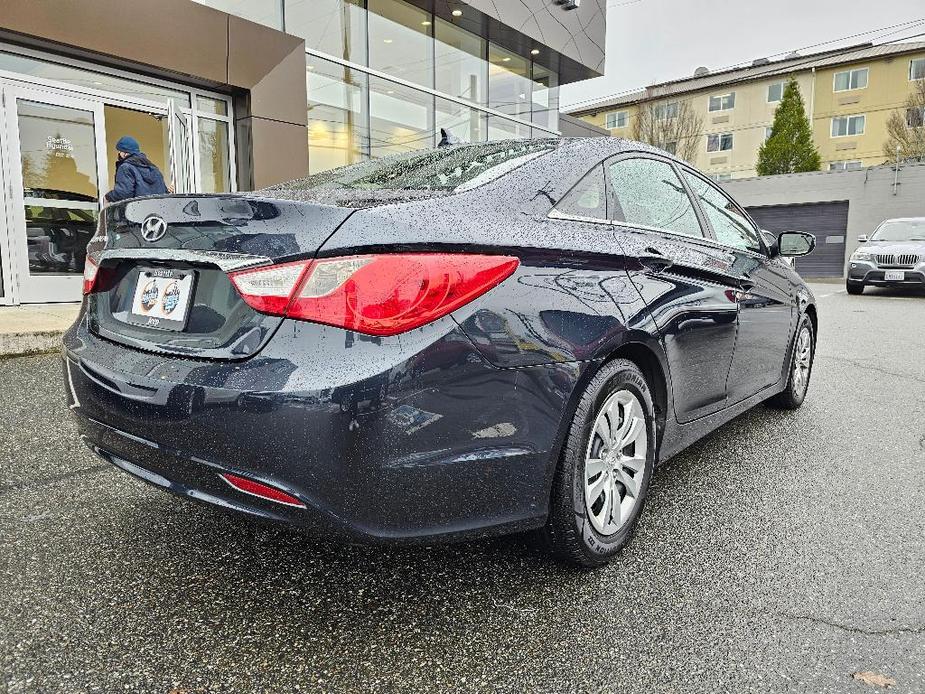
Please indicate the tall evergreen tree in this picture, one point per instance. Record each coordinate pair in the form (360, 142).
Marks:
(790, 148)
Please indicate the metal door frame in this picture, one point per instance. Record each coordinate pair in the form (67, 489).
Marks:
(8, 294)
(26, 287)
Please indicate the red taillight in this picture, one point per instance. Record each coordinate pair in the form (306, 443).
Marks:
(91, 270)
(96, 278)
(242, 484)
(373, 294)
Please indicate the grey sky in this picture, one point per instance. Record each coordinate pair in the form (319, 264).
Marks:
(652, 41)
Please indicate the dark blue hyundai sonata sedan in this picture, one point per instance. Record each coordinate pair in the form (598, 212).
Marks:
(474, 340)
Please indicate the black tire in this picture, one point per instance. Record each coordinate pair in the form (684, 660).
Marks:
(854, 289)
(568, 530)
(791, 397)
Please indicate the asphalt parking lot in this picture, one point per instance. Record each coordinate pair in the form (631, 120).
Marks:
(783, 553)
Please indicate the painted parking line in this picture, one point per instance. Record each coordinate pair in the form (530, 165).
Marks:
(825, 296)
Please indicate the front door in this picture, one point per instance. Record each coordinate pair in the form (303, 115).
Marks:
(766, 308)
(54, 145)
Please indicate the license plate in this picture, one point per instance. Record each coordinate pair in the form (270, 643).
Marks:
(894, 275)
(162, 299)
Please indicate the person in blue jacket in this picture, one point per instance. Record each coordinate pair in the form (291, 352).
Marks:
(135, 174)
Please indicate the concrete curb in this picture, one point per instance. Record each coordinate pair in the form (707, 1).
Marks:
(34, 328)
(27, 344)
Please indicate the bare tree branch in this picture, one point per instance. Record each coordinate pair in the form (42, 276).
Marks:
(906, 128)
(671, 125)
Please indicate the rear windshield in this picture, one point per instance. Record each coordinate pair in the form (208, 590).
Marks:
(443, 170)
(901, 230)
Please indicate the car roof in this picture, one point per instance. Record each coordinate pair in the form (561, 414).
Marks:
(571, 155)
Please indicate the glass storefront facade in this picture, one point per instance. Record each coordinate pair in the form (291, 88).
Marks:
(208, 115)
(390, 77)
(386, 76)
(59, 123)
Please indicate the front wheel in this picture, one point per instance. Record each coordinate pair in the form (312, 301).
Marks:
(603, 476)
(801, 366)
(854, 289)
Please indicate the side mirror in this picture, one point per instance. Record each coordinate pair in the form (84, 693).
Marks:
(862, 238)
(795, 243)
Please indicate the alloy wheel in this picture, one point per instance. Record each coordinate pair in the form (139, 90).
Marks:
(802, 361)
(615, 462)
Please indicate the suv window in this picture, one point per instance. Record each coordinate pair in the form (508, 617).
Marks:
(588, 198)
(649, 192)
(730, 226)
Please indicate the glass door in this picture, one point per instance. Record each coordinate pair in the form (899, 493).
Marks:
(56, 161)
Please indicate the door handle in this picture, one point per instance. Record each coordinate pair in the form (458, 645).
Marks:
(745, 287)
(655, 260)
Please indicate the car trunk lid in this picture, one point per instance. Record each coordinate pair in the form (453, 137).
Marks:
(164, 265)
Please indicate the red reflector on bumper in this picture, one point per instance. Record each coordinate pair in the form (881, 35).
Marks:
(242, 484)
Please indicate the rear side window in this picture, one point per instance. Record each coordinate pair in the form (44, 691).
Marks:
(649, 192)
(587, 199)
(729, 224)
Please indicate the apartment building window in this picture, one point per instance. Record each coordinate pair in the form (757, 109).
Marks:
(915, 117)
(917, 69)
(723, 102)
(851, 79)
(719, 142)
(616, 119)
(853, 165)
(666, 111)
(721, 177)
(767, 133)
(846, 126)
(671, 147)
(776, 92)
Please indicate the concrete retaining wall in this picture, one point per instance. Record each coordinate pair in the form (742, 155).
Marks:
(871, 194)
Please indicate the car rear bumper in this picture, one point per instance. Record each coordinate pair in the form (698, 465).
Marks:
(382, 439)
(862, 273)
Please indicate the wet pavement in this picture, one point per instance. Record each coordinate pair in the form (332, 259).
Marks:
(785, 552)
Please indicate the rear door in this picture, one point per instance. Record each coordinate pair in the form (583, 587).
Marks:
(687, 281)
(765, 298)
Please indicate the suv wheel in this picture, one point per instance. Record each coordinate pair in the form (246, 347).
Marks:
(603, 476)
(854, 288)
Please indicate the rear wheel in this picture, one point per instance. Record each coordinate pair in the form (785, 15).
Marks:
(801, 366)
(603, 476)
(854, 288)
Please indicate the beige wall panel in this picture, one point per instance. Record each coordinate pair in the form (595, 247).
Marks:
(175, 35)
